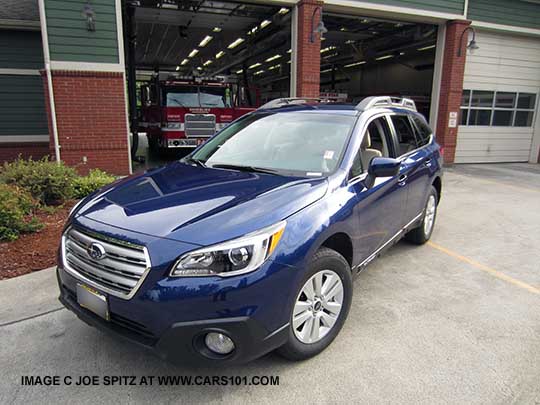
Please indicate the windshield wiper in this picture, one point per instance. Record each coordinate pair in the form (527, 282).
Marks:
(245, 168)
(198, 162)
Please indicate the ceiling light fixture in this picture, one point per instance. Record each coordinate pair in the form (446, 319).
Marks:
(184, 62)
(283, 10)
(273, 67)
(208, 62)
(384, 57)
(217, 29)
(425, 48)
(205, 41)
(265, 23)
(254, 65)
(193, 53)
(219, 54)
(355, 64)
(177, 68)
(239, 71)
(328, 48)
(234, 44)
(273, 58)
(258, 72)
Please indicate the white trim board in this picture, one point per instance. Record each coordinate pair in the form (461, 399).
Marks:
(507, 28)
(87, 66)
(23, 138)
(407, 13)
(22, 72)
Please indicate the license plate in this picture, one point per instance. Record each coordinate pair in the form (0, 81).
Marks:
(93, 301)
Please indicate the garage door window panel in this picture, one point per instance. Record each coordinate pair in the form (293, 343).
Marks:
(508, 108)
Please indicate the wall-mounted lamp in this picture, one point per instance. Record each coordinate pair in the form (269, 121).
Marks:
(472, 45)
(90, 15)
(320, 29)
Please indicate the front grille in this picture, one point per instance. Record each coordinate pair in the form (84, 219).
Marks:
(199, 125)
(119, 272)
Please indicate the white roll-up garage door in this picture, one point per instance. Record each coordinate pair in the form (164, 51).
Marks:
(500, 99)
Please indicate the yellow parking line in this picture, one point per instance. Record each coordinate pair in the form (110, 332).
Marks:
(486, 269)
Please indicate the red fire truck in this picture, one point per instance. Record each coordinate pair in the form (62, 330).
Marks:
(183, 112)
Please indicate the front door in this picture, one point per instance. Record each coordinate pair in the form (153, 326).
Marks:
(379, 209)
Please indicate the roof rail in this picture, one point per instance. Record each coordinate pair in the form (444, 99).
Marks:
(280, 102)
(385, 101)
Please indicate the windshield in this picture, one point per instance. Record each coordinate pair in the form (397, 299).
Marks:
(304, 143)
(197, 96)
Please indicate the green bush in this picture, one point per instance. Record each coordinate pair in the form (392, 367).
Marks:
(46, 181)
(16, 205)
(82, 186)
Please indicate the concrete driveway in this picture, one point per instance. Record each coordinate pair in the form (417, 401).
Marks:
(454, 321)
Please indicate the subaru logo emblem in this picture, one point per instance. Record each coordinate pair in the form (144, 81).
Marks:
(96, 251)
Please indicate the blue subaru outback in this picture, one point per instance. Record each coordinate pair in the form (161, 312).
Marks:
(251, 242)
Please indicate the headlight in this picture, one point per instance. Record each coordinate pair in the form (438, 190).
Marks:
(237, 256)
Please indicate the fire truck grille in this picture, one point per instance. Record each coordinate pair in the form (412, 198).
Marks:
(199, 125)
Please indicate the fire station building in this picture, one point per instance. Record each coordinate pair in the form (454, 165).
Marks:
(71, 70)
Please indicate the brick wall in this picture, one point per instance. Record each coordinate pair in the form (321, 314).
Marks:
(309, 54)
(91, 120)
(11, 151)
(451, 85)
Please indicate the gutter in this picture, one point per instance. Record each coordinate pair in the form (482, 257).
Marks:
(47, 57)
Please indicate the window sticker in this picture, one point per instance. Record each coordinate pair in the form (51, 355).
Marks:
(329, 154)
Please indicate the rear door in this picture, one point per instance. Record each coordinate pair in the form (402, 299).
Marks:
(415, 159)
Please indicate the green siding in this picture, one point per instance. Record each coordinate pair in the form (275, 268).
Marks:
(69, 40)
(22, 106)
(517, 13)
(441, 6)
(20, 50)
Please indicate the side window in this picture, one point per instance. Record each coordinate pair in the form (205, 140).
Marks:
(375, 143)
(405, 134)
(423, 130)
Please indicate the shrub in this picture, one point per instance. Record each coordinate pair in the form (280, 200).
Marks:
(82, 186)
(46, 181)
(15, 207)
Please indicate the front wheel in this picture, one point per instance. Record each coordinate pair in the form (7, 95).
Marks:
(321, 306)
(422, 233)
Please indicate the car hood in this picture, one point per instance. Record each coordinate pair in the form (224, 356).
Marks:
(200, 205)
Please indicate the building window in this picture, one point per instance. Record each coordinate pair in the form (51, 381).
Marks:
(497, 108)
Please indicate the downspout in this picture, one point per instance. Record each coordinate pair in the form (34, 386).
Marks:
(47, 58)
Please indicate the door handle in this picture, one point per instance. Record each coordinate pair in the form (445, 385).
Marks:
(428, 163)
(402, 180)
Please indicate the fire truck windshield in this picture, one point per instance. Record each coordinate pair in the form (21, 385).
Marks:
(197, 96)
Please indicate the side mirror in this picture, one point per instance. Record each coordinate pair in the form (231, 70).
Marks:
(381, 167)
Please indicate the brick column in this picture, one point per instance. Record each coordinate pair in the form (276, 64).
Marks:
(91, 120)
(309, 54)
(451, 86)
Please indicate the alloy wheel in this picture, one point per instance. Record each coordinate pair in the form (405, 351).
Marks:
(429, 218)
(317, 306)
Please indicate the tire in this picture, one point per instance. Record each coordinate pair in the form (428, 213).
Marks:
(334, 270)
(422, 233)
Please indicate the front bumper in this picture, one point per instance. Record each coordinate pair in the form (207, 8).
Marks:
(179, 342)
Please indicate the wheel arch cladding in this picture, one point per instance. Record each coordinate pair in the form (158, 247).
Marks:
(437, 183)
(341, 243)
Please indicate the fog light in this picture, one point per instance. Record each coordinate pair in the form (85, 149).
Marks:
(219, 343)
